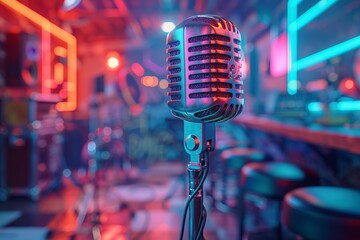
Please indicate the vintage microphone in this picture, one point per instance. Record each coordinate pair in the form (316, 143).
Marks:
(205, 86)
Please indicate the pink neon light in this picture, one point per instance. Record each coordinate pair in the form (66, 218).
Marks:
(279, 56)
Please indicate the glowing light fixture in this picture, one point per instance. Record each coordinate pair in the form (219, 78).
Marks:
(113, 61)
(167, 26)
(348, 87)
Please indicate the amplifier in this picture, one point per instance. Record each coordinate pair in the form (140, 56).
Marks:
(31, 147)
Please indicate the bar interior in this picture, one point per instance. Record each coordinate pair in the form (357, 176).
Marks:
(179, 119)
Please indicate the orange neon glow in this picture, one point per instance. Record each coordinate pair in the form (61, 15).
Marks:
(61, 34)
(60, 51)
(63, 93)
(59, 73)
(45, 61)
(48, 83)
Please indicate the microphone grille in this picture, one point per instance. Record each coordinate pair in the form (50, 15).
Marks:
(174, 60)
(204, 64)
(215, 21)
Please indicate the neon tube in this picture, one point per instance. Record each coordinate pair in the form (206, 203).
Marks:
(313, 12)
(58, 32)
(328, 53)
(295, 23)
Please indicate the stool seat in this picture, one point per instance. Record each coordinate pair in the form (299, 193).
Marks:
(238, 157)
(318, 213)
(224, 144)
(242, 152)
(231, 161)
(274, 179)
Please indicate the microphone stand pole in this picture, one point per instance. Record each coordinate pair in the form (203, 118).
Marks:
(199, 140)
(94, 129)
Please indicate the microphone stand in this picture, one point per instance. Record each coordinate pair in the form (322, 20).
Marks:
(199, 140)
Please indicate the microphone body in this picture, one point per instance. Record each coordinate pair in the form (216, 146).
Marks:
(204, 64)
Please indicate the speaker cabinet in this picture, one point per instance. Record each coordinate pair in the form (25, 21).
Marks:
(31, 147)
(20, 60)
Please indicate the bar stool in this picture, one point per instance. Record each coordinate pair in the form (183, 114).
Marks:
(216, 166)
(232, 160)
(318, 213)
(271, 180)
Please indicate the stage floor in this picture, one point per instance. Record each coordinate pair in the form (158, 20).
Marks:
(147, 204)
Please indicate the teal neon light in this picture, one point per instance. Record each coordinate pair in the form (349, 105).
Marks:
(345, 106)
(335, 106)
(314, 12)
(292, 47)
(294, 3)
(296, 23)
(315, 107)
(328, 53)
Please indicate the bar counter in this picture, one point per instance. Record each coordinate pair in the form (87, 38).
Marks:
(340, 138)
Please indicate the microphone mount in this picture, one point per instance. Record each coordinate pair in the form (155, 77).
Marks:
(199, 140)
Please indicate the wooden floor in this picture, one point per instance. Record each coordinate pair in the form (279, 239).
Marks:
(146, 205)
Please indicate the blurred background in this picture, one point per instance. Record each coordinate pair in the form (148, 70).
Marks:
(83, 109)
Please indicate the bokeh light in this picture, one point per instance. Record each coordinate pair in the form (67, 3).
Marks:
(349, 83)
(112, 61)
(163, 84)
(150, 81)
(137, 69)
(167, 26)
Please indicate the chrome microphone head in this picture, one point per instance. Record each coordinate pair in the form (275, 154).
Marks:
(204, 64)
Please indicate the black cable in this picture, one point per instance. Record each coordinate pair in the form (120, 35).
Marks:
(199, 234)
(191, 197)
(202, 224)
